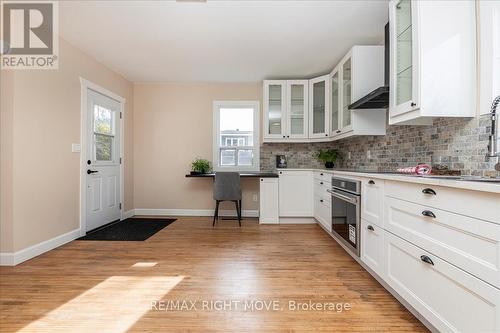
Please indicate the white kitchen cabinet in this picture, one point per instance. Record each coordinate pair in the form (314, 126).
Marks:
(432, 60)
(360, 72)
(268, 201)
(286, 114)
(296, 193)
(372, 246)
(323, 200)
(372, 200)
(449, 298)
(274, 109)
(466, 242)
(297, 114)
(319, 107)
(323, 212)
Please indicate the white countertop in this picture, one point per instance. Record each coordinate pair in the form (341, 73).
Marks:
(462, 184)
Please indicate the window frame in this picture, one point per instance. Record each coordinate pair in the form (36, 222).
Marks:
(216, 147)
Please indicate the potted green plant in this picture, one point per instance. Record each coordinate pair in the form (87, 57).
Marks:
(329, 157)
(200, 166)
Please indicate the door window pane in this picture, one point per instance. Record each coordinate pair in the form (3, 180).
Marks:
(275, 111)
(245, 157)
(227, 157)
(319, 107)
(103, 147)
(103, 120)
(297, 109)
(335, 101)
(346, 88)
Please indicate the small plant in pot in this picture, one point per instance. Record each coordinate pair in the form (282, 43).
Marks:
(200, 166)
(328, 157)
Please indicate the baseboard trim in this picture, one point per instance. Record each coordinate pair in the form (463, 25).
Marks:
(192, 212)
(297, 220)
(128, 214)
(13, 259)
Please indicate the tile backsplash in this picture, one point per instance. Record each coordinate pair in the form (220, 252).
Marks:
(459, 143)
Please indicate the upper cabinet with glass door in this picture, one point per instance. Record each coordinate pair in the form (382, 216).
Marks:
(297, 92)
(335, 99)
(286, 110)
(432, 60)
(274, 109)
(319, 107)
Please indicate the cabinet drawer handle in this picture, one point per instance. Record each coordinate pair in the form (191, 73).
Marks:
(321, 174)
(338, 131)
(370, 228)
(371, 182)
(321, 200)
(321, 183)
(428, 191)
(428, 213)
(427, 260)
(326, 134)
(281, 173)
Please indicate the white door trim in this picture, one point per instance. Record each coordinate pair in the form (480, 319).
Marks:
(85, 85)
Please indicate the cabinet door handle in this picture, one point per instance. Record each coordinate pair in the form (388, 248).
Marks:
(321, 183)
(284, 136)
(428, 213)
(428, 191)
(281, 173)
(338, 131)
(371, 182)
(427, 260)
(321, 200)
(370, 228)
(413, 104)
(91, 171)
(326, 134)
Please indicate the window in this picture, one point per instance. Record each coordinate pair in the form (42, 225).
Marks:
(489, 53)
(236, 135)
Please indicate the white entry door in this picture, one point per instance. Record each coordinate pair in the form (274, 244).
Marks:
(102, 160)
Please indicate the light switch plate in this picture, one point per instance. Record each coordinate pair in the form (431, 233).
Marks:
(76, 148)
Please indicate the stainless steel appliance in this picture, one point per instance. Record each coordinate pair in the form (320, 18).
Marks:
(346, 212)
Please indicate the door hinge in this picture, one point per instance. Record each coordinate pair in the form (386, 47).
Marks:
(120, 115)
(120, 160)
(120, 205)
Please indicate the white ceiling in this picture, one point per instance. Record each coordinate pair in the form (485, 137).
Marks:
(221, 41)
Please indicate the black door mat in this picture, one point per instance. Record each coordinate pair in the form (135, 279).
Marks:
(131, 229)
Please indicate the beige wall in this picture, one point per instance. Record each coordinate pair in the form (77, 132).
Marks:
(6, 117)
(172, 126)
(46, 120)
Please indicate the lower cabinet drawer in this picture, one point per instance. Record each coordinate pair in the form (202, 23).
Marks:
(372, 246)
(448, 297)
(470, 244)
(322, 213)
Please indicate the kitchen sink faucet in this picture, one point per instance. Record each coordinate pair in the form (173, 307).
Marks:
(493, 141)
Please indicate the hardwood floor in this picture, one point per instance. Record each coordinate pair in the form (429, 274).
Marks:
(111, 286)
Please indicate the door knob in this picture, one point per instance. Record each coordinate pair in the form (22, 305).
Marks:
(91, 171)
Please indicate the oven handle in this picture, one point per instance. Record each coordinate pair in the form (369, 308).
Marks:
(353, 200)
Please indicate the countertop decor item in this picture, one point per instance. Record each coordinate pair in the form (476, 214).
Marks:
(200, 166)
(280, 161)
(421, 169)
(329, 157)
